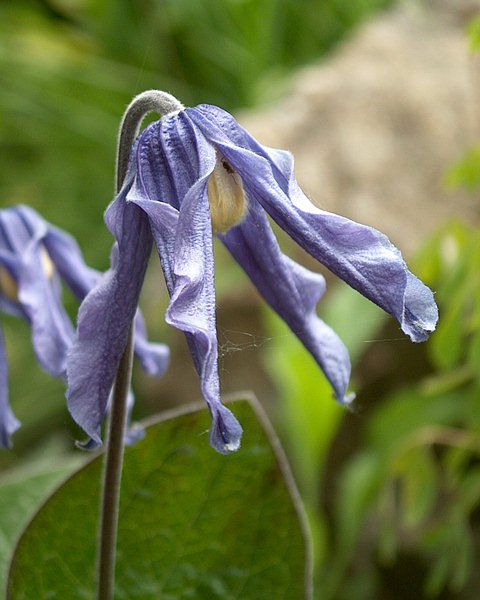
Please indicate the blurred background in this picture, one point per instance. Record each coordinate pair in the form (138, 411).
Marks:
(379, 101)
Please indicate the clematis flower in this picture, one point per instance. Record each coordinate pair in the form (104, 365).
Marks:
(34, 257)
(197, 173)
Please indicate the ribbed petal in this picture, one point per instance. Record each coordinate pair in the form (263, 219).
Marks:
(105, 317)
(293, 292)
(184, 243)
(8, 423)
(360, 255)
(188, 267)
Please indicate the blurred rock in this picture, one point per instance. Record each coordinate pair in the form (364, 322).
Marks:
(375, 126)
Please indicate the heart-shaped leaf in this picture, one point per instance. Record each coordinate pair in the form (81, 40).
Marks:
(193, 524)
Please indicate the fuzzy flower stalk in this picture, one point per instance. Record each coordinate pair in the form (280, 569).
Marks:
(195, 174)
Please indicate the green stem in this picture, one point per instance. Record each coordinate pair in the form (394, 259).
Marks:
(112, 475)
(150, 101)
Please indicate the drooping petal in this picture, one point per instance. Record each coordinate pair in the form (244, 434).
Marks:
(359, 254)
(105, 317)
(69, 262)
(39, 293)
(189, 278)
(153, 357)
(9, 267)
(293, 292)
(184, 243)
(8, 423)
(133, 432)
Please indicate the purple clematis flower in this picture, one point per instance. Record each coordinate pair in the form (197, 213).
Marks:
(195, 173)
(34, 257)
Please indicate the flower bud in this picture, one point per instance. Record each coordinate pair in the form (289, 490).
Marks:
(228, 203)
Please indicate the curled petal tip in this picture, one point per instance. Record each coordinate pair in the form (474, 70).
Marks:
(418, 331)
(420, 314)
(5, 441)
(348, 399)
(89, 445)
(7, 429)
(231, 447)
(226, 431)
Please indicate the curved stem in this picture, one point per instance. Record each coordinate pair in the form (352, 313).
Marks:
(139, 107)
(162, 103)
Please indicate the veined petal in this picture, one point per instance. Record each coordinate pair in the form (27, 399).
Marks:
(105, 317)
(8, 423)
(168, 159)
(359, 254)
(293, 292)
(192, 308)
(184, 243)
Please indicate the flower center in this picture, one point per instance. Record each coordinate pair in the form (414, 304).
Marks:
(8, 285)
(228, 203)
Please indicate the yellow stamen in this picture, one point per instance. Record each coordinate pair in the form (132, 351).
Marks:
(8, 285)
(228, 204)
(47, 264)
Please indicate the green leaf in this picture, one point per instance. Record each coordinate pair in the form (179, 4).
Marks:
(405, 414)
(419, 486)
(473, 31)
(193, 524)
(386, 507)
(452, 555)
(359, 485)
(20, 494)
(466, 172)
(310, 412)
(448, 345)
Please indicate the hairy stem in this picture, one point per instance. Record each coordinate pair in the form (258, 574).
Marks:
(162, 103)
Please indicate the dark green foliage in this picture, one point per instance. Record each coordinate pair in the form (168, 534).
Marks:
(412, 488)
(193, 523)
